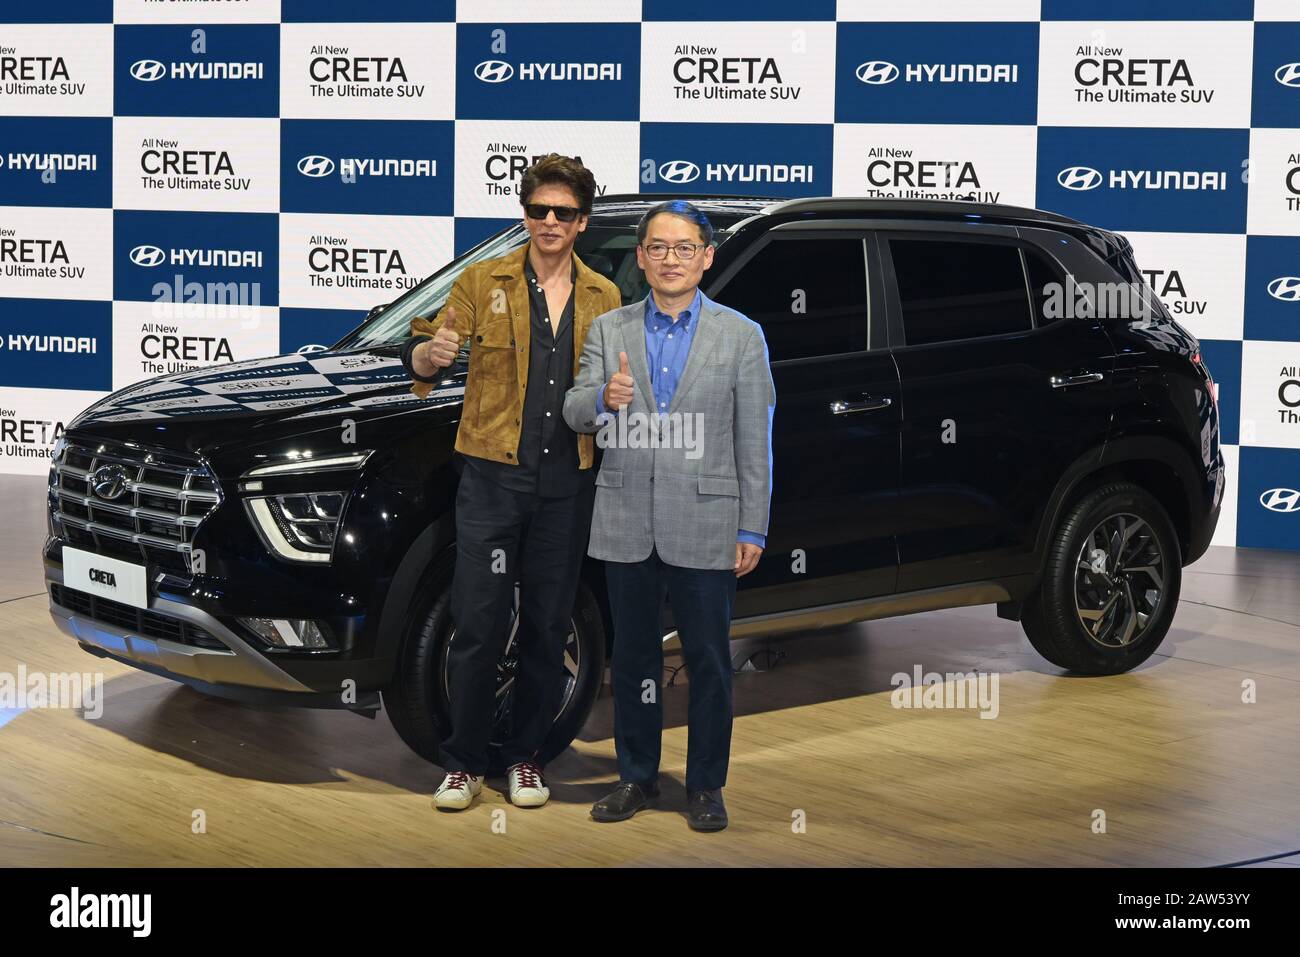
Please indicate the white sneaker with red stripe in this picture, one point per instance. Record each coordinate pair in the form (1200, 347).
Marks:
(527, 786)
(457, 791)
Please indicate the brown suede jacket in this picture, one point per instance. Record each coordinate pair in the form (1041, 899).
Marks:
(491, 304)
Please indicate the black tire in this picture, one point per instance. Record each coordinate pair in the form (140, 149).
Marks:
(416, 700)
(1086, 616)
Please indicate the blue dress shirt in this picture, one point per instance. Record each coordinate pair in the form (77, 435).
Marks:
(667, 346)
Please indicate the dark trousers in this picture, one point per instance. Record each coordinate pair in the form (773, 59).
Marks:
(701, 601)
(504, 536)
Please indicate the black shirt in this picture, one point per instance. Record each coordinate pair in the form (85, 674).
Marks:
(548, 448)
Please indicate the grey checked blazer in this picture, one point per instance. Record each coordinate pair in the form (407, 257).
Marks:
(687, 504)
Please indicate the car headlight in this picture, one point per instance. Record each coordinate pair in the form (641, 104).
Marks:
(300, 462)
(298, 526)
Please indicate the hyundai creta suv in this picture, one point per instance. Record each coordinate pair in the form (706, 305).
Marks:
(966, 414)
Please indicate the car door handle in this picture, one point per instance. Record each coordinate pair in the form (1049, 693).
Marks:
(1065, 381)
(868, 404)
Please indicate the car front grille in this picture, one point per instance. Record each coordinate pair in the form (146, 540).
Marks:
(136, 621)
(164, 499)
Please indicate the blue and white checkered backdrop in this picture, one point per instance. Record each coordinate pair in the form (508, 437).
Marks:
(186, 182)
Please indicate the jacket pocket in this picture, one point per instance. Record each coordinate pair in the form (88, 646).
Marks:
(719, 485)
(494, 342)
(610, 478)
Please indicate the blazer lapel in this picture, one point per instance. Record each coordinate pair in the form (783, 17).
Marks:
(632, 326)
(706, 335)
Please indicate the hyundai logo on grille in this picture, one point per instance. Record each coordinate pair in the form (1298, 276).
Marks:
(494, 71)
(148, 70)
(147, 256)
(108, 482)
(679, 171)
(1286, 288)
(315, 166)
(1079, 177)
(877, 72)
(1281, 500)
(1288, 74)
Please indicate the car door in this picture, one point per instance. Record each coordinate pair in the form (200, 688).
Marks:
(835, 427)
(997, 400)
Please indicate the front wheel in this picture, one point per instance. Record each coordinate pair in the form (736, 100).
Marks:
(417, 699)
(1110, 584)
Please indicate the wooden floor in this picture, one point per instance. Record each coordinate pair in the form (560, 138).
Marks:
(1185, 773)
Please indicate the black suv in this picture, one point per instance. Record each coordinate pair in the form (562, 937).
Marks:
(949, 430)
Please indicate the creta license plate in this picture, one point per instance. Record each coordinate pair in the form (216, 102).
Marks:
(107, 577)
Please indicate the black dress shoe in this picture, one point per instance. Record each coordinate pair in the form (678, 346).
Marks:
(705, 810)
(624, 801)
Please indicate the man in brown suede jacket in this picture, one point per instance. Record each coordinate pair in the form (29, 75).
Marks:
(523, 509)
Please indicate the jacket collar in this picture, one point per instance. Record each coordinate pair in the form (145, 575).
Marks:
(511, 266)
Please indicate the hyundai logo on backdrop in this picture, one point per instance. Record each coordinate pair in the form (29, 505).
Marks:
(1159, 180)
(56, 161)
(1281, 500)
(1272, 303)
(736, 158)
(1275, 80)
(207, 250)
(1286, 288)
(554, 71)
(494, 71)
(877, 71)
(936, 73)
(315, 166)
(1079, 178)
(367, 166)
(159, 74)
(147, 256)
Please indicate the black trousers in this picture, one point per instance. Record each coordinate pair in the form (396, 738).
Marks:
(701, 601)
(504, 536)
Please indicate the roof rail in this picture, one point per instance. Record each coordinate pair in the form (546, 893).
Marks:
(937, 207)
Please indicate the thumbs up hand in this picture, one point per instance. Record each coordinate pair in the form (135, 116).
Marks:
(442, 349)
(618, 392)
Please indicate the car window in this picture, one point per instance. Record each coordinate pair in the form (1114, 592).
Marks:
(808, 294)
(1046, 282)
(950, 289)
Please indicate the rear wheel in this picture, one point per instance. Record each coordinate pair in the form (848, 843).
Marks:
(418, 698)
(1110, 584)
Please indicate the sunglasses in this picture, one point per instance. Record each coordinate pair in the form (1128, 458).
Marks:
(565, 214)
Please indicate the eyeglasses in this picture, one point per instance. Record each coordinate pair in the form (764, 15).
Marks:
(565, 214)
(685, 251)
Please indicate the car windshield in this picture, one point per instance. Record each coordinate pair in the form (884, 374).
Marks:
(610, 250)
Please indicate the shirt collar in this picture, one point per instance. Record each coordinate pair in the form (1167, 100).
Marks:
(691, 311)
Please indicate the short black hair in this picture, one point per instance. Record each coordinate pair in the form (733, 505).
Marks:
(553, 168)
(676, 207)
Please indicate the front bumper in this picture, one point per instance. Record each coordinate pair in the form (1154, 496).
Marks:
(236, 671)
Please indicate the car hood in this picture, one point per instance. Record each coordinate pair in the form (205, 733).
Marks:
(256, 399)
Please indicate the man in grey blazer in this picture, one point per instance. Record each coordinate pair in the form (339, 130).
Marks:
(679, 392)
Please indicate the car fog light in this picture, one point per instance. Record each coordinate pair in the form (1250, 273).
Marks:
(287, 632)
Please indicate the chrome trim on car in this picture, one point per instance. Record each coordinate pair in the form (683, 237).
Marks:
(866, 609)
(147, 484)
(240, 664)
